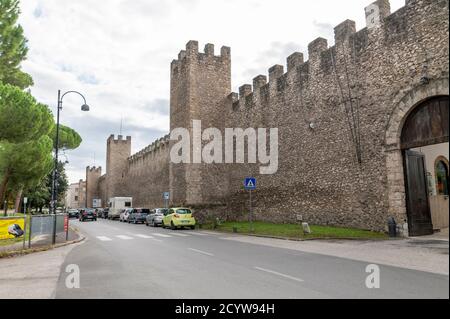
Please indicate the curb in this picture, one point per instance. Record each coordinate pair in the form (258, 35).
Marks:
(306, 239)
(16, 253)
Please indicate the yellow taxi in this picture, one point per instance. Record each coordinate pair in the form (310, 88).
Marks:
(178, 217)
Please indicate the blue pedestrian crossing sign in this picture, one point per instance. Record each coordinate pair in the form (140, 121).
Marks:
(250, 183)
(166, 195)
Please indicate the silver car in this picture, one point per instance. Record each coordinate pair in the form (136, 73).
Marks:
(124, 214)
(156, 216)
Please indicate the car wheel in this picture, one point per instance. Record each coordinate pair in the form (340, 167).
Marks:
(146, 224)
(192, 227)
(163, 225)
(172, 226)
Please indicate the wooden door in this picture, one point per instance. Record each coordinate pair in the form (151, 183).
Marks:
(418, 208)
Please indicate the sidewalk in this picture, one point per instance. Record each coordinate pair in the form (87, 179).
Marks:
(42, 241)
(33, 276)
(429, 255)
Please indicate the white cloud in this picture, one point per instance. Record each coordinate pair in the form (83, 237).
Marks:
(118, 53)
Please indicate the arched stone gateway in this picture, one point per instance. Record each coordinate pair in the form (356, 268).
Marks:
(419, 119)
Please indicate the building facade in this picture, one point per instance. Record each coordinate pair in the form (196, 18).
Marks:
(359, 124)
(76, 195)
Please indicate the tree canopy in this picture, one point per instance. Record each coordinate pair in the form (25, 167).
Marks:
(68, 138)
(21, 117)
(13, 46)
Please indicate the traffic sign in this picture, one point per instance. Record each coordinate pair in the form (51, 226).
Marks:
(166, 195)
(250, 183)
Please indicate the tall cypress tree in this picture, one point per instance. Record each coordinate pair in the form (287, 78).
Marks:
(13, 46)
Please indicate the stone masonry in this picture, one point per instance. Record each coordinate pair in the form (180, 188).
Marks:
(339, 116)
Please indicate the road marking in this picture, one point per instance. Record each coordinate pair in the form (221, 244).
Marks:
(201, 252)
(143, 236)
(197, 234)
(208, 233)
(124, 237)
(180, 235)
(278, 274)
(104, 238)
(161, 235)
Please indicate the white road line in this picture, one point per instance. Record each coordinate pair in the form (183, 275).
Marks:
(143, 236)
(104, 238)
(124, 237)
(197, 234)
(180, 235)
(201, 252)
(208, 233)
(278, 274)
(161, 235)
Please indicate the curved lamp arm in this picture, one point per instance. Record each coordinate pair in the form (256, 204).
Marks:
(84, 99)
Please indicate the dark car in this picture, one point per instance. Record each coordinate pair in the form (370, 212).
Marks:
(156, 216)
(73, 213)
(138, 215)
(87, 214)
(99, 212)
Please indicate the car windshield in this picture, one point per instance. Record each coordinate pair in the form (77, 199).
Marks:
(162, 211)
(144, 211)
(183, 211)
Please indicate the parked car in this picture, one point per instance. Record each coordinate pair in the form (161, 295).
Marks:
(73, 213)
(99, 212)
(178, 218)
(155, 216)
(87, 213)
(123, 217)
(138, 215)
(105, 213)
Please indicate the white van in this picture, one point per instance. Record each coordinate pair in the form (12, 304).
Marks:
(117, 204)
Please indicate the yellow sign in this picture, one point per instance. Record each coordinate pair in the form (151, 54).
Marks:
(11, 228)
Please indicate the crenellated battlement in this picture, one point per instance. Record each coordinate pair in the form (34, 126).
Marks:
(94, 169)
(152, 149)
(120, 139)
(192, 54)
(382, 31)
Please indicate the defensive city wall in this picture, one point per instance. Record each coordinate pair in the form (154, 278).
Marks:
(339, 116)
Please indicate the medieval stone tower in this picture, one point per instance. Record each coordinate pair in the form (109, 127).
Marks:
(93, 175)
(200, 84)
(117, 153)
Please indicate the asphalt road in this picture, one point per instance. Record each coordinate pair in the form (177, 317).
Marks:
(134, 261)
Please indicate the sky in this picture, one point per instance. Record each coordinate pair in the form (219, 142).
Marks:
(117, 53)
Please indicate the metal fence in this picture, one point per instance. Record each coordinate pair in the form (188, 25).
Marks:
(36, 230)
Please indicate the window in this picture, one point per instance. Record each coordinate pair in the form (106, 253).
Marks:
(76, 198)
(441, 178)
(127, 204)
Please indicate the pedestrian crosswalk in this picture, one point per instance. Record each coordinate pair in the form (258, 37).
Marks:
(152, 236)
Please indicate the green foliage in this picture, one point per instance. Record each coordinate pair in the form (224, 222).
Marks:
(40, 195)
(21, 117)
(294, 231)
(25, 164)
(13, 46)
(68, 138)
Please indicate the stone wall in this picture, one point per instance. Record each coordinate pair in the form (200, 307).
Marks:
(338, 114)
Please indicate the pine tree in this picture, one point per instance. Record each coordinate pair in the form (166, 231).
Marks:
(13, 46)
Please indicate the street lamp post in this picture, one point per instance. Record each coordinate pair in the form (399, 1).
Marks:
(53, 202)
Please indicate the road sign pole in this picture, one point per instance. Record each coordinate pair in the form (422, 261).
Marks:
(251, 213)
(25, 232)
